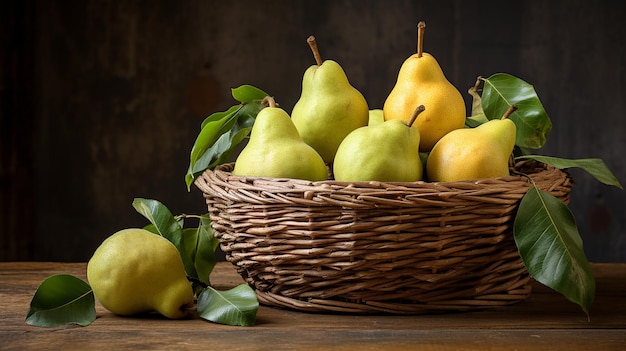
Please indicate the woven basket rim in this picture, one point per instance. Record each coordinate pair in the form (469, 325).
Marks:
(523, 174)
(515, 175)
(228, 167)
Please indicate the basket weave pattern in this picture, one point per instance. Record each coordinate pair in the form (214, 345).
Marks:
(373, 247)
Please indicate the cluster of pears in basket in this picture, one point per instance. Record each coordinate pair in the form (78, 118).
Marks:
(419, 134)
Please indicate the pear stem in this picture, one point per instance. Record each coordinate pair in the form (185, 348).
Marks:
(416, 113)
(269, 101)
(508, 112)
(316, 53)
(420, 38)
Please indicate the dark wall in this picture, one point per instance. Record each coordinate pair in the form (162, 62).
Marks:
(104, 98)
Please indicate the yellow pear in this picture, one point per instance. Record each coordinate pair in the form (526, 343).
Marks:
(135, 271)
(422, 82)
(386, 151)
(276, 150)
(329, 107)
(473, 153)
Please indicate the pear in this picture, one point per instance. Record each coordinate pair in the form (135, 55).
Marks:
(135, 271)
(329, 107)
(276, 150)
(421, 81)
(375, 116)
(386, 151)
(473, 153)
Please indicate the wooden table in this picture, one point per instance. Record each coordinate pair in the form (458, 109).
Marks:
(545, 321)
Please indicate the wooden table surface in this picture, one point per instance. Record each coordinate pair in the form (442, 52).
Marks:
(545, 321)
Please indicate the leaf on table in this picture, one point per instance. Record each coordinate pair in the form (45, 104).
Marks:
(62, 299)
(500, 92)
(551, 247)
(594, 166)
(237, 306)
(165, 224)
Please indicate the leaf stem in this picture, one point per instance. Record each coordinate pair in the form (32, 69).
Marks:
(198, 281)
(187, 216)
(316, 53)
(420, 37)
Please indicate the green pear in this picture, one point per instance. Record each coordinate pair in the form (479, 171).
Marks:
(421, 81)
(387, 152)
(473, 153)
(375, 116)
(276, 150)
(135, 271)
(329, 107)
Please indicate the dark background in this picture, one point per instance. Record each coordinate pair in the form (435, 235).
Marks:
(101, 101)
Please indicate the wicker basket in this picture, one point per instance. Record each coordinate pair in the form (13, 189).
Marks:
(373, 247)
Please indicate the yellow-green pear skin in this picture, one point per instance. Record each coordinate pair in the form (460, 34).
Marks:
(421, 81)
(276, 150)
(135, 271)
(386, 152)
(328, 109)
(473, 153)
(376, 116)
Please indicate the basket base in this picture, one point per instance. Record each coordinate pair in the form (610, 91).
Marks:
(377, 307)
(501, 283)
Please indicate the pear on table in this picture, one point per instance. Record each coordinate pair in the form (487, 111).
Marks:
(329, 107)
(135, 271)
(276, 150)
(421, 81)
(473, 153)
(386, 151)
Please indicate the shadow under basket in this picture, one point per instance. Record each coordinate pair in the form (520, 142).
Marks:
(375, 247)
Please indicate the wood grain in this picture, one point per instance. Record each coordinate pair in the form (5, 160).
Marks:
(545, 321)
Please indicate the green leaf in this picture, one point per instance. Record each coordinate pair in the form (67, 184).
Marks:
(62, 299)
(200, 245)
(205, 259)
(159, 215)
(500, 92)
(222, 148)
(210, 130)
(475, 121)
(594, 166)
(248, 93)
(237, 306)
(551, 247)
(221, 132)
(217, 117)
(166, 225)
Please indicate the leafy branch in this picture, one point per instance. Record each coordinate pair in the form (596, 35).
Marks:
(544, 228)
(221, 132)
